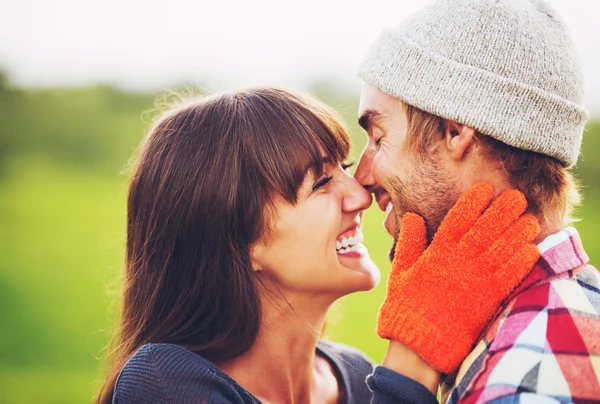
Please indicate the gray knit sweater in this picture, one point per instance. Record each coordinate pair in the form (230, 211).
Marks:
(167, 373)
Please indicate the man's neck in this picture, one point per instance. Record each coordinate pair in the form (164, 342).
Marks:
(550, 223)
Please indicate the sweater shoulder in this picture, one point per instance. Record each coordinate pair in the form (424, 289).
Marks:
(354, 366)
(168, 373)
(349, 353)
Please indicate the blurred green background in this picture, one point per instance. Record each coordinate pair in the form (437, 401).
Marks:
(63, 182)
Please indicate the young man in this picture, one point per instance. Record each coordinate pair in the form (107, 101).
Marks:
(469, 91)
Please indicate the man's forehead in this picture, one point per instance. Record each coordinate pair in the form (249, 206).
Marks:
(376, 103)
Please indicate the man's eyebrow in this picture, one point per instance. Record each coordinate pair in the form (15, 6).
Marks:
(368, 117)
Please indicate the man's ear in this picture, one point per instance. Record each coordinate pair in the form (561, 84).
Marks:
(458, 138)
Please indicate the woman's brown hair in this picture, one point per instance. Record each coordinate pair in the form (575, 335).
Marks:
(205, 177)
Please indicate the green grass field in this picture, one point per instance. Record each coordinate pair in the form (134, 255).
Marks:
(61, 252)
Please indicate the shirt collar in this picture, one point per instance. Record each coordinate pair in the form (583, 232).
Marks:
(562, 251)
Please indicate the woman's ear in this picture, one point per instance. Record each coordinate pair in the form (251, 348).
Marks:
(256, 253)
(458, 138)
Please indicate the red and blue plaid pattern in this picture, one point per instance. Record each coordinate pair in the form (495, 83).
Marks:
(544, 345)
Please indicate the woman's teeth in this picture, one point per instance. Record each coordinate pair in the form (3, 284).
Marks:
(348, 244)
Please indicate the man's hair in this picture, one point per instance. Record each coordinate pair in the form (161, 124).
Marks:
(546, 183)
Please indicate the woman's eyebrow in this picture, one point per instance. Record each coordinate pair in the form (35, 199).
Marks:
(325, 160)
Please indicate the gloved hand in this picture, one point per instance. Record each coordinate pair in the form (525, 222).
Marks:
(440, 298)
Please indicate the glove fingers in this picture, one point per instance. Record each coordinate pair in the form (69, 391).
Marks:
(411, 243)
(520, 233)
(463, 215)
(517, 268)
(493, 223)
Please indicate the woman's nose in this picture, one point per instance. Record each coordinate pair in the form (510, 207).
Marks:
(356, 196)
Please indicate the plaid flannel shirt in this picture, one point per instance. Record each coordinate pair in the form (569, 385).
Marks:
(544, 345)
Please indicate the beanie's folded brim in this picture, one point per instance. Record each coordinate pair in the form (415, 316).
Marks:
(512, 112)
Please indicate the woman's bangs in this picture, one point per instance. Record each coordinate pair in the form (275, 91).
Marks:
(316, 139)
(295, 134)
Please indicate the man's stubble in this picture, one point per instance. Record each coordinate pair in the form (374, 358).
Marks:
(427, 191)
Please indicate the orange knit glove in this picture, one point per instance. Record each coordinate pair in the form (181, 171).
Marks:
(440, 298)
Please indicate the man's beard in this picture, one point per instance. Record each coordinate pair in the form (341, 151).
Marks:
(427, 192)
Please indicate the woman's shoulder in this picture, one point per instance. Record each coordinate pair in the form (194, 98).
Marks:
(349, 354)
(159, 373)
(353, 365)
(162, 355)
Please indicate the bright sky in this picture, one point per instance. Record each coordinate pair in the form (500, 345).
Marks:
(156, 44)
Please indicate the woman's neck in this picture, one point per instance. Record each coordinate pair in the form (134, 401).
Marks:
(282, 366)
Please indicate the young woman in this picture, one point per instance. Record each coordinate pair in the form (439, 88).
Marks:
(243, 228)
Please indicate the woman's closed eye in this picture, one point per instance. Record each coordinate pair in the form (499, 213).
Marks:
(324, 180)
(346, 166)
(378, 136)
(321, 182)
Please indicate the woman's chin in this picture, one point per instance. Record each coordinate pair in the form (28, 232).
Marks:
(365, 274)
(373, 276)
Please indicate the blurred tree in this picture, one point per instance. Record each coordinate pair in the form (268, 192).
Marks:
(9, 98)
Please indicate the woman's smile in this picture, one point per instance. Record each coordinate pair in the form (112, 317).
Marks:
(350, 243)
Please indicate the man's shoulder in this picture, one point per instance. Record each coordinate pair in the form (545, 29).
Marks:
(576, 291)
(560, 316)
(546, 342)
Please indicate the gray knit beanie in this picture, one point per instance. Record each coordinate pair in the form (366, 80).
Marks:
(508, 68)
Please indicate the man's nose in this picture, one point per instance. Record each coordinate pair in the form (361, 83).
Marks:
(363, 173)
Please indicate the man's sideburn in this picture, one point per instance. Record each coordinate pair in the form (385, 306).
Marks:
(428, 191)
